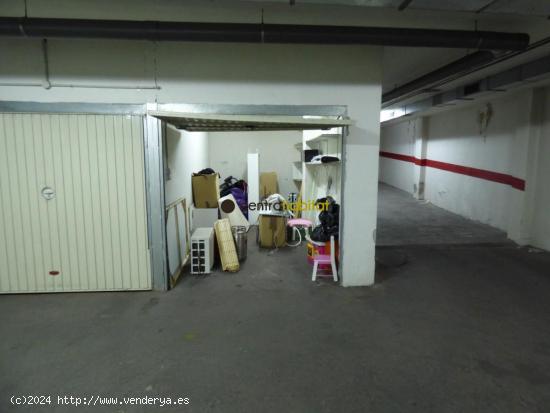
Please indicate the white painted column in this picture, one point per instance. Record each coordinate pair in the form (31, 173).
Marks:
(253, 179)
(360, 151)
(524, 164)
(420, 151)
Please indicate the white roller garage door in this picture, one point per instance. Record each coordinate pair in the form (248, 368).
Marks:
(72, 199)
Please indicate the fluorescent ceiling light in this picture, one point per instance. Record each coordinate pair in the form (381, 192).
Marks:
(389, 114)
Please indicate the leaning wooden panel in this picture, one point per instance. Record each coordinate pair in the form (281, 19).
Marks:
(226, 245)
(183, 250)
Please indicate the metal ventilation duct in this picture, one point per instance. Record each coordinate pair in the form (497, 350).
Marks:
(455, 68)
(534, 71)
(260, 33)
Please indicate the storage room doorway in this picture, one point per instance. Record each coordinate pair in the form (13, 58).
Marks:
(241, 190)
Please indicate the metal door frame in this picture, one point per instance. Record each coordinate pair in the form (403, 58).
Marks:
(154, 160)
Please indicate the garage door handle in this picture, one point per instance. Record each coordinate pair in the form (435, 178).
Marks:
(48, 193)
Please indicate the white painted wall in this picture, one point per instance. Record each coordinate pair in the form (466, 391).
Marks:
(398, 138)
(454, 137)
(185, 153)
(228, 154)
(230, 74)
(516, 143)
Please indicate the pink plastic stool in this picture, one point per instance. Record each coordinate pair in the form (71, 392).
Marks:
(297, 223)
(326, 260)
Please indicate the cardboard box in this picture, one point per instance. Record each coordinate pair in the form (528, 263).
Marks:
(206, 190)
(268, 184)
(272, 230)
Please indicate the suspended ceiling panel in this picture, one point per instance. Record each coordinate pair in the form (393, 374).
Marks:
(226, 123)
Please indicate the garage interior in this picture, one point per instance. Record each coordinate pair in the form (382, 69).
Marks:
(434, 121)
(244, 159)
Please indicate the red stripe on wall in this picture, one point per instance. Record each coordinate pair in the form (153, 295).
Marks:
(498, 177)
(398, 157)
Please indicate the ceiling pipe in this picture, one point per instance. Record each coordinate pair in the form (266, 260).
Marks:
(464, 64)
(259, 33)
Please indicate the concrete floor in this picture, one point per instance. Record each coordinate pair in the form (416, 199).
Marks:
(447, 328)
(402, 220)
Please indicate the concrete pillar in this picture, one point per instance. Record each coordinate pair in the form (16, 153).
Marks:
(360, 195)
(420, 152)
(524, 164)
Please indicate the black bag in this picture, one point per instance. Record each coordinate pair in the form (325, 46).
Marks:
(207, 171)
(232, 182)
(329, 221)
